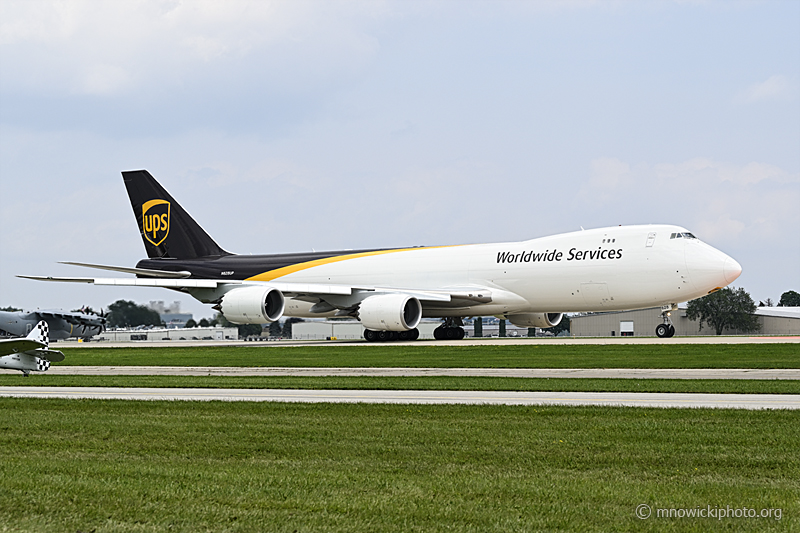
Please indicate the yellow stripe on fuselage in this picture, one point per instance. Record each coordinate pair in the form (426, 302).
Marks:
(291, 269)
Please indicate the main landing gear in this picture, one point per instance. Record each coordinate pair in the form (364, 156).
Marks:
(389, 336)
(666, 329)
(451, 330)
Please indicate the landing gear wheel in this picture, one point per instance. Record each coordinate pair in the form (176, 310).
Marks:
(384, 336)
(662, 330)
(410, 335)
(444, 333)
(671, 331)
(370, 336)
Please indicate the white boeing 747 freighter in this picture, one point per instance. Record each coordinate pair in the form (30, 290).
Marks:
(530, 283)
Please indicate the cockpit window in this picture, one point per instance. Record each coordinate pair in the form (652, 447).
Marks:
(689, 236)
(685, 235)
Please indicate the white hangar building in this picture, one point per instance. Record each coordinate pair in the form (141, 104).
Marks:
(642, 323)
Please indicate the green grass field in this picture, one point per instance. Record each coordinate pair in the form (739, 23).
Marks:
(523, 356)
(77, 465)
(81, 465)
(738, 386)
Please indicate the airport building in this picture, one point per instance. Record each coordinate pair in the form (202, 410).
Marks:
(212, 333)
(643, 322)
(170, 315)
(352, 329)
(347, 329)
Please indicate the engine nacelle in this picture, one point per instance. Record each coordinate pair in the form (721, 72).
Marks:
(390, 312)
(535, 320)
(252, 305)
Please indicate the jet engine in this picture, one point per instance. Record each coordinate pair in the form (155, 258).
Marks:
(390, 312)
(535, 320)
(252, 305)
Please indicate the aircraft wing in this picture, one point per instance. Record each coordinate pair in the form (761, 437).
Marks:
(75, 318)
(199, 284)
(468, 294)
(10, 346)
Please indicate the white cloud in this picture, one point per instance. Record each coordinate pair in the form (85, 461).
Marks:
(87, 45)
(777, 87)
(609, 172)
(104, 79)
(721, 201)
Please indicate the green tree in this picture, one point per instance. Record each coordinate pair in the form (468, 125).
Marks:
(123, 313)
(286, 333)
(275, 329)
(204, 323)
(246, 330)
(190, 323)
(220, 320)
(726, 308)
(789, 299)
(10, 309)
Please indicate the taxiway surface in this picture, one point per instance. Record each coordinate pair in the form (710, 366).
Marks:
(593, 373)
(680, 400)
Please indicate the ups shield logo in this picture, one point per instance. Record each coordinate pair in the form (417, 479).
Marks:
(155, 221)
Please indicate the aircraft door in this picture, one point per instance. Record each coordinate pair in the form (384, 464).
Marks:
(595, 294)
(651, 238)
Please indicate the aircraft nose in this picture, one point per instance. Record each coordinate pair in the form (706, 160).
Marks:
(732, 270)
(709, 268)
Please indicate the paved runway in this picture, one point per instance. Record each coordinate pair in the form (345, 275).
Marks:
(680, 400)
(595, 373)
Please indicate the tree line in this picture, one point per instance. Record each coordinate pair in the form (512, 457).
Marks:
(732, 309)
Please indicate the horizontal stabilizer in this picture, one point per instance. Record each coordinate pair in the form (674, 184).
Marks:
(138, 282)
(137, 271)
(54, 356)
(9, 346)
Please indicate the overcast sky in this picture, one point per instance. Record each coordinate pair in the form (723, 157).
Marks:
(291, 126)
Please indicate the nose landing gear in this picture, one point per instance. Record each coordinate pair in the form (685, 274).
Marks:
(666, 329)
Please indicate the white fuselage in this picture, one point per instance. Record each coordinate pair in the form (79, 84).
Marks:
(625, 267)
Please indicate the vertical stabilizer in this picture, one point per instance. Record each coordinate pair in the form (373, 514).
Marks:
(166, 229)
(40, 333)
